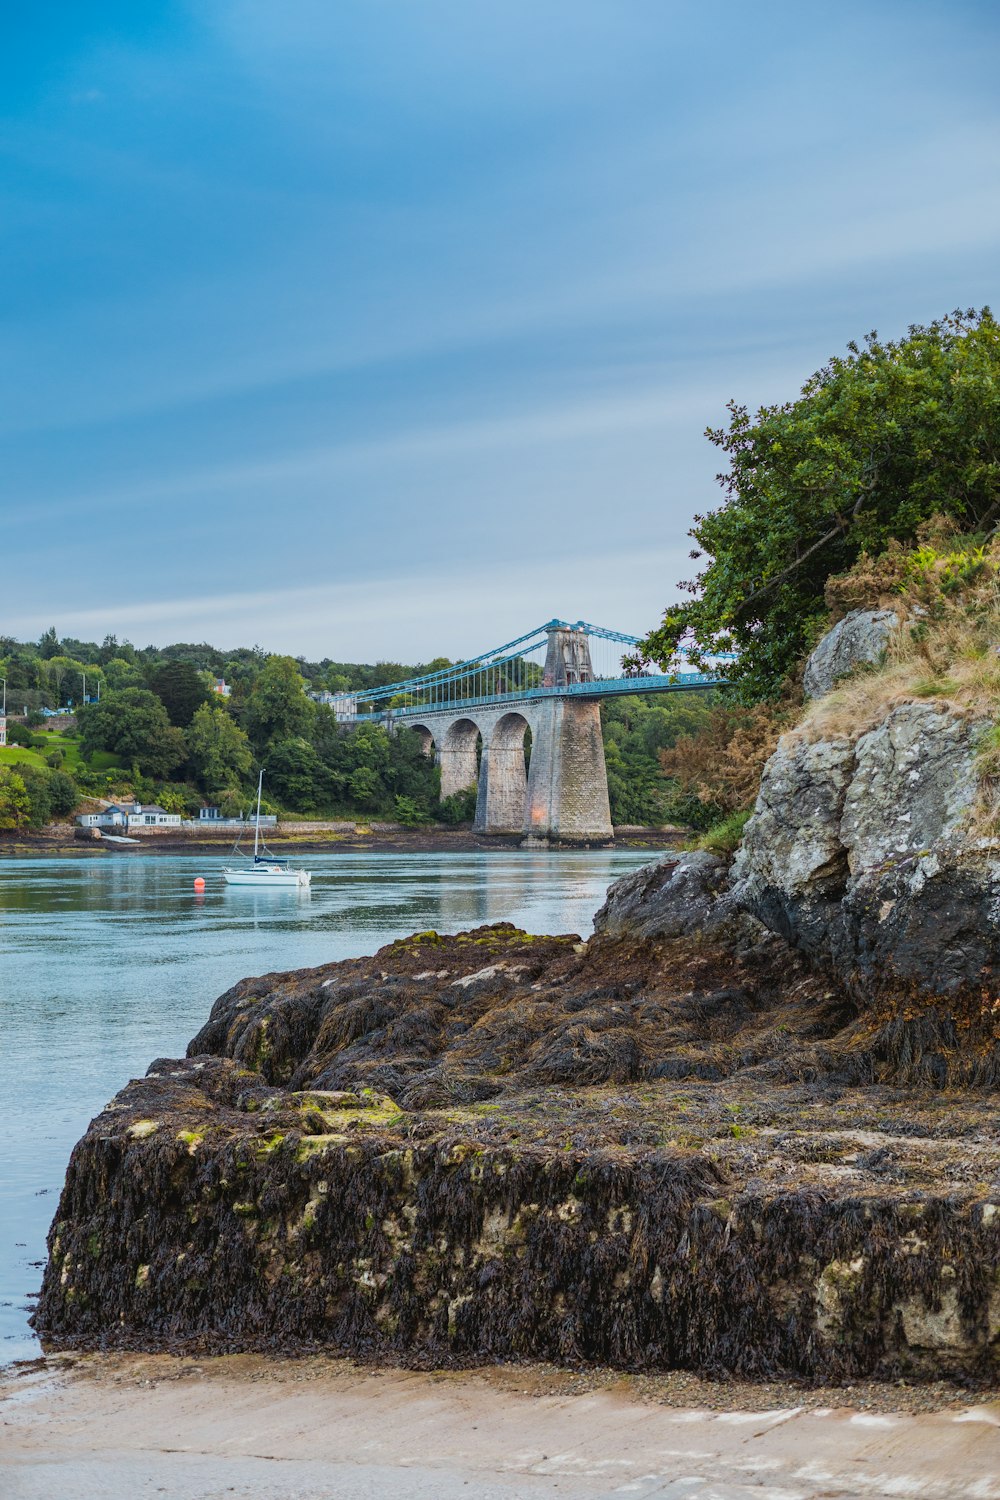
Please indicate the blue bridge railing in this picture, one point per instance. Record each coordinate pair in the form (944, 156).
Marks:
(517, 671)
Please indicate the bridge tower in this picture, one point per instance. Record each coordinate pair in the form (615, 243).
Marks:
(567, 793)
(564, 795)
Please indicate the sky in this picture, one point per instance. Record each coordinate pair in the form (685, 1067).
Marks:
(390, 329)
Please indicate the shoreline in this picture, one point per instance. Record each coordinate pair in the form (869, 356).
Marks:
(117, 1425)
(60, 840)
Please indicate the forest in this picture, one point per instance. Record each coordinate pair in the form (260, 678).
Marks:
(158, 724)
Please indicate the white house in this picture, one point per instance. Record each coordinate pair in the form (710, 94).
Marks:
(130, 815)
(221, 686)
(148, 815)
(109, 817)
(3, 731)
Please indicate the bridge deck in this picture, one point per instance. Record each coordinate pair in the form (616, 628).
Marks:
(603, 688)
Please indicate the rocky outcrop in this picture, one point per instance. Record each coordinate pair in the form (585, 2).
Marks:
(859, 853)
(270, 1193)
(672, 898)
(859, 639)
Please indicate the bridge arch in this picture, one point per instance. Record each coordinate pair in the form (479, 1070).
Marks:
(503, 780)
(425, 735)
(458, 756)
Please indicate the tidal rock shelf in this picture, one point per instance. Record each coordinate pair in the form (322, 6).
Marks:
(651, 1153)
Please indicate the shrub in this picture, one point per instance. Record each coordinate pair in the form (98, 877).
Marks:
(411, 814)
(19, 734)
(460, 807)
(720, 765)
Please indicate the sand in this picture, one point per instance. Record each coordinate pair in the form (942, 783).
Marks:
(248, 1428)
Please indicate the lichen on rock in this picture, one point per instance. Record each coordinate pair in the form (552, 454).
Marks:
(859, 639)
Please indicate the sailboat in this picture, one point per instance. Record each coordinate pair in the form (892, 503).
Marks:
(266, 871)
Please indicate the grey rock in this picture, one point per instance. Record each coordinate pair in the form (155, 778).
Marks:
(670, 898)
(860, 855)
(859, 638)
(791, 869)
(913, 783)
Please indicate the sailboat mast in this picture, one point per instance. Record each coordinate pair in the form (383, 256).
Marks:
(256, 831)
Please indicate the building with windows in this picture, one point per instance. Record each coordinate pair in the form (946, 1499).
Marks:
(130, 815)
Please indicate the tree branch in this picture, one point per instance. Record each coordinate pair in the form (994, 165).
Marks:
(766, 587)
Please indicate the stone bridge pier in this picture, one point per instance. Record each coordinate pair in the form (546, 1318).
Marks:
(559, 791)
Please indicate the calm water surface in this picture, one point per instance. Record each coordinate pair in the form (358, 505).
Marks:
(108, 962)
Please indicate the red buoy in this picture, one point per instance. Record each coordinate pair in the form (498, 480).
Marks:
(199, 883)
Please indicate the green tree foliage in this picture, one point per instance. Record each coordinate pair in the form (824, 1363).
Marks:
(636, 730)
(460, 807)
(133, 725)
(298, 778)
(181, 689)
(31, 796)
(411, 813)
(64, 794)
(277, 707)
(366, 789)
(20, 734)
(15, 805)
(218, 749)
(877, 443)
(119, 674)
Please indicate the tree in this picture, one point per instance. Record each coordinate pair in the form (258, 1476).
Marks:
(64, 794)
(181, 689)
(120, 673)
(15, 806)
(298, 776)
(133, 725)
(277, 707)
(366, 789)
(877, 443)
(218, 748)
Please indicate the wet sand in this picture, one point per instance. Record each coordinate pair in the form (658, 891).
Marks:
(248, 1428)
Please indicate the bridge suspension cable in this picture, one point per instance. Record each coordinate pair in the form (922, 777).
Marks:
(517, 670)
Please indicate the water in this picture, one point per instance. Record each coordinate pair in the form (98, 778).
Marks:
(109, 962)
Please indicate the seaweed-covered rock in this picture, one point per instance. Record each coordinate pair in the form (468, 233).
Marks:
(859, 639)
(720, 1229)
(670, 898)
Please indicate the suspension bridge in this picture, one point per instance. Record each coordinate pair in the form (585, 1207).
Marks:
(474, 716)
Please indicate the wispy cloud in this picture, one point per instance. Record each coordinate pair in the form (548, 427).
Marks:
(417, 614)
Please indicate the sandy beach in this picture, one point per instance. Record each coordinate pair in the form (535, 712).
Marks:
(246, 1428)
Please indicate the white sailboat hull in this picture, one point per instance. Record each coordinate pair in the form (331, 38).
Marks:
(267, 872)
(266, 878)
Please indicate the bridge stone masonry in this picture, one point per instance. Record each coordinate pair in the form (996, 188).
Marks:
(476, 719)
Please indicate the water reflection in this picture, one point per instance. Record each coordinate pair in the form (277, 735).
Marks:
(107, 962)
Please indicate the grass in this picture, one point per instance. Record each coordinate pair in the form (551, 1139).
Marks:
(724, 837)
(944, 650)
(73, 762)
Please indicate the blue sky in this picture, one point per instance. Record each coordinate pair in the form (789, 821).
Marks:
(390, 328)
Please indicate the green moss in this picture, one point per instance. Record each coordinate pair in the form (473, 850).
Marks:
(266, 1144)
